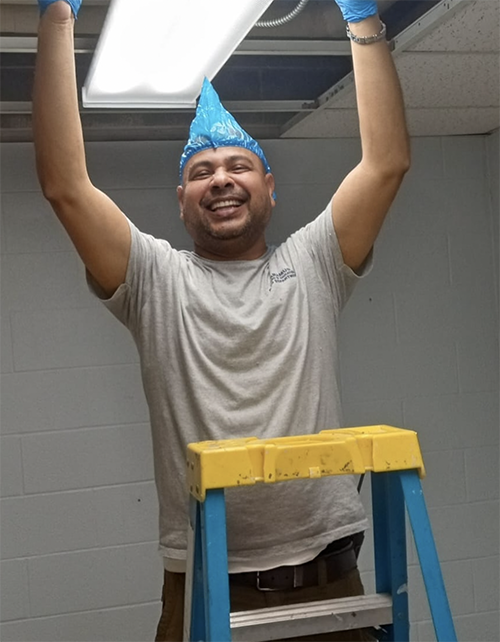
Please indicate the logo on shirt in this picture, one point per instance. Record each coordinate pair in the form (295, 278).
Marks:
(281, 277)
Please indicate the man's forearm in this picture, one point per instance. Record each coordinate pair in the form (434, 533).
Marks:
(382, 122)
(56, 121)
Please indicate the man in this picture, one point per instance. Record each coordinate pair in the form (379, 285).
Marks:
(235, 339)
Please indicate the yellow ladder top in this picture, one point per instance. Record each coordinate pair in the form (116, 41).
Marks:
(343, 451)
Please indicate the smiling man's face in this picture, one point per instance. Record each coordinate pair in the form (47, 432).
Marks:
(226, 201)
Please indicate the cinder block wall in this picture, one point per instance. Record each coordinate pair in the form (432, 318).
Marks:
(419, 348)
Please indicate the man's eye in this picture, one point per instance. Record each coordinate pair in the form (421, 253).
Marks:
(240, 168)
(204, 173)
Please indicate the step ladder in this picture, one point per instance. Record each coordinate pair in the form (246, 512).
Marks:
(391, 455)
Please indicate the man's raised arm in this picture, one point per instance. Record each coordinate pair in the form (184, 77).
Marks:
(363, 199)
(97, 227)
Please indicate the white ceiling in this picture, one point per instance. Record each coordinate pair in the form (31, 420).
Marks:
(448, 62)
(449, 74)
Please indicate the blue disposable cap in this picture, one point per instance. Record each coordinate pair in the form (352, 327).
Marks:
(213, 126)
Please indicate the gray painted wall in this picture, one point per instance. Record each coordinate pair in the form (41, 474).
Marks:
(419, 349)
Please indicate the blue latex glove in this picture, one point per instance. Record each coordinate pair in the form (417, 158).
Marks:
(357, 10)
(74, 4)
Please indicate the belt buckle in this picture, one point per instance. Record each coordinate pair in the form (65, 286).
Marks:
(298, 580)
(263, 588)
(298, 576)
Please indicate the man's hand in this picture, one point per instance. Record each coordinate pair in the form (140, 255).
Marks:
(74, 4)
(357, 10)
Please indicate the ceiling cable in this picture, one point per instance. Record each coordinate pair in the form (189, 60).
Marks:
(278, 22)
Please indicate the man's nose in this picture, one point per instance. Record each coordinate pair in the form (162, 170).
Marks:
(221, 178)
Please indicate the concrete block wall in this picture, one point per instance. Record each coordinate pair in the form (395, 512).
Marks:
(79, 507)
(419, 349)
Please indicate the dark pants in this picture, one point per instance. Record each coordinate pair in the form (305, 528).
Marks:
(246, 598)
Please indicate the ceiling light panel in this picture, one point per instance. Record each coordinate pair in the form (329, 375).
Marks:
(155, 54)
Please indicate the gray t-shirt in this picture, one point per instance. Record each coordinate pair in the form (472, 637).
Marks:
(239, 349)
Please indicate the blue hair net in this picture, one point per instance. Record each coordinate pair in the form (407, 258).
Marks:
(213, 126)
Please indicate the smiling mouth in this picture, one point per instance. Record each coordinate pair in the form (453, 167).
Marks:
(226, 204)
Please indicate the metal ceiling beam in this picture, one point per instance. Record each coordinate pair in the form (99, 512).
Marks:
(131, 126)
(239, 106)
(30, 2)
(428, 22)
(235, 106)
(294, 48)
(28, 44)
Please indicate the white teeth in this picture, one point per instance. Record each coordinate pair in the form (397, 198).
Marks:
(225, 204)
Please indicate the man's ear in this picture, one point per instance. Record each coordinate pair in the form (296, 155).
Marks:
(269, 178)
(180, 198)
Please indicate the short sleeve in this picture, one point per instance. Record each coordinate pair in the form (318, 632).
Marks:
(148, 256)
(318, 242)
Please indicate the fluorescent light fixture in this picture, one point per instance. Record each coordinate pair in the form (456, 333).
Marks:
(155, 53)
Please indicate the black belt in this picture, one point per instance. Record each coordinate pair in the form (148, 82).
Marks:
(335, 561)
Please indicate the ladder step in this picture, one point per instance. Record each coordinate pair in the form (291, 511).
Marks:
(310, 618)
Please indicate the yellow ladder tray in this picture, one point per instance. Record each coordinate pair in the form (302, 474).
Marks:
(343, 451)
